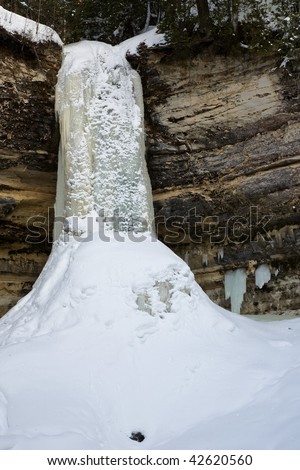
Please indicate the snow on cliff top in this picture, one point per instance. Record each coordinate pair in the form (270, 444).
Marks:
(151, 38)
(35, 32)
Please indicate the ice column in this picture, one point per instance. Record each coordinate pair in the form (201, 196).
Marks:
(102, 168)
(235, 288)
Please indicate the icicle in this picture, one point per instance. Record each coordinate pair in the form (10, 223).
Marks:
(235, 288)
(205, 259)
(220, 254)
(262, 275)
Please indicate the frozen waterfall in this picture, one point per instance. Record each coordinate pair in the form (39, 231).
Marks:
(102, 169)
(117, 339)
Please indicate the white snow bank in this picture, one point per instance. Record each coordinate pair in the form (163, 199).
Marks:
(118, 273)
(35, 32)
(150, 38)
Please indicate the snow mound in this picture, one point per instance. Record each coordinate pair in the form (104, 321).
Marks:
(35, 32)
(117, 338)
(103, 282)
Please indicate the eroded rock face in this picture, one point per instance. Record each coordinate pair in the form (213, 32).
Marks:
(28, 156)
(223, 156)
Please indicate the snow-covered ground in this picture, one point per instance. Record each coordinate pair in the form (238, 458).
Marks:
(35, 32)
(116, 337)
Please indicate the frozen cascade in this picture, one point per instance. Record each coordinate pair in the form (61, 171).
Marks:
(101, 168)
(103, 188)
(262, 275)
(235, 288)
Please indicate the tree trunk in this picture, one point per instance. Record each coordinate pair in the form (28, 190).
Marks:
(234, 14)
(203, 14)
(147, 22)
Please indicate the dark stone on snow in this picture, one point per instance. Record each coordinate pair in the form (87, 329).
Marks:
(137, 436)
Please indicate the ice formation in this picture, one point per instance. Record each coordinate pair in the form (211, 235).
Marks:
(220, 254)
(102, 168)
(262, 275)
(205, 259)
(235, 288)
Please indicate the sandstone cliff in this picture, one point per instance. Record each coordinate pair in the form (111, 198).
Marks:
(223, 156)
(28, 156)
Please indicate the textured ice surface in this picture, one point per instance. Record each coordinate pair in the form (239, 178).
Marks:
(102, 167)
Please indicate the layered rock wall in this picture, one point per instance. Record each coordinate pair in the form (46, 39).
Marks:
(223, 156)
(28, 159)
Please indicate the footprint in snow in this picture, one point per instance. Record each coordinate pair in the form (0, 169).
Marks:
(145, 330)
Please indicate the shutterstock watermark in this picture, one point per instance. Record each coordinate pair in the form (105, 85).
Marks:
(214, 229)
